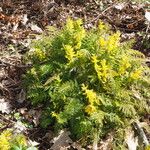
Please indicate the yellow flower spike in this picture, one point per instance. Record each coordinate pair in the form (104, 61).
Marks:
(114, 73)
(103, 43)
(54, 114)
(4, 144)
(78, 23)
(90, 95)
(104, 70)
(94, 59)
(78, 45)
(89, 109)
(5, 136)
(39, 53)
(103, 64)
(70, 54)
(124, 65)
(136, 74)
(103, 27)
(21, 139)
(70, 24)
(78, 36)
(113, 41)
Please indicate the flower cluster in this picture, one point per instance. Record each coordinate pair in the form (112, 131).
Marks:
(110, 43)
(5, 138)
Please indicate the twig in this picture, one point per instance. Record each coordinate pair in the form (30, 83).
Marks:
(3, 63)
(6, 127)
(102, 13)
(7, 120)
(145, 37)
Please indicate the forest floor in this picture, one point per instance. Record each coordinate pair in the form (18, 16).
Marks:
(21, 21)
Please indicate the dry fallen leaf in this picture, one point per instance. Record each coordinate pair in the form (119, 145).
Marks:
(62, 141)
(107, 143)
(131, 141)
(77, 146)
(19, 127)
(120, 6)
(21, 96)
(5, 107)
(33, 143)
(24, 19)
(147, 15)
(34, 27)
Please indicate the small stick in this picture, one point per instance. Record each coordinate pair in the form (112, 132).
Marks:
(146, 32)
(17, 66)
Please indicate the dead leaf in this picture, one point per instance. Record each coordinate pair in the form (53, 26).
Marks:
(107, 143)
(147, 15)
(19, 127)
(77, 146)
(62, 141)
(33, 143)
(34, 27)
(130, 26)
(131, 141)
(119, 6)
(24, 19)
(22, 111)
(21, 96)
(5, 107)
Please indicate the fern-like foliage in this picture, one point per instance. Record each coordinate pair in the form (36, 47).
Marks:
(88, 79)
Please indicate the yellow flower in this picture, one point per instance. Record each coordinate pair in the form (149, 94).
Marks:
(102, 27)
(78, 23)
(102, 69)
(70, 54)
(78, 45)
(78, 36)
(136, 74)
(89, 109)
(4, 144)
(147, 147)
(111, 43)
(5, 136)
(90, 95)
(124, 65)
(21, 139)
(103, 42)
(54, 114)
(69, 24)
(94, 59)
(39, 53)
